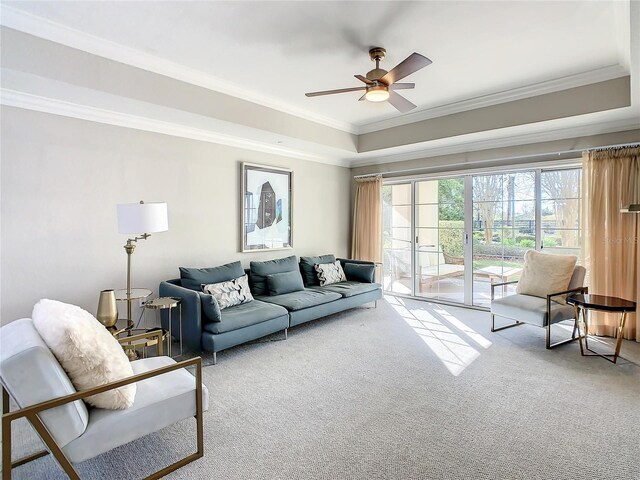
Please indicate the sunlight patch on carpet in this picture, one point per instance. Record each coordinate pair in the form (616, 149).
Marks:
(441, 335)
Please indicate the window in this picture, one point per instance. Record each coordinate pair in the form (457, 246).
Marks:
(449, 238)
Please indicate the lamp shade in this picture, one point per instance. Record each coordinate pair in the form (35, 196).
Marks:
(142, 217)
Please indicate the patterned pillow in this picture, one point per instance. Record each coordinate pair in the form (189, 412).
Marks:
(329, 273)
(230, 293)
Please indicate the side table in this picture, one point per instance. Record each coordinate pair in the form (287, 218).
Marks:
(164, 303)
(134, 338)
(136, 294)
(583, 302)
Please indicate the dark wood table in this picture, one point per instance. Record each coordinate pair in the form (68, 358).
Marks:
(584, 302)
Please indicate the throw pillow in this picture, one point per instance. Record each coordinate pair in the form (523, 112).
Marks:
(230, 293)
(307, 267)
(360, 272)
(193, 278)
(210, 307)
(545, 273)
(329, 273)
(286, 282)
(260, 270)
(86, 350)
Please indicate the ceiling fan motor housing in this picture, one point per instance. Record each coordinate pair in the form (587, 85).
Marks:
(376, 74)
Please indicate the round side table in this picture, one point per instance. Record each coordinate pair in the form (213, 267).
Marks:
(583, 302)
(164, 303)
(136, 294)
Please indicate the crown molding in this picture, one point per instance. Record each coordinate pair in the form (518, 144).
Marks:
(505, 140)
(571, 81)
(28, 101)
(40, 27)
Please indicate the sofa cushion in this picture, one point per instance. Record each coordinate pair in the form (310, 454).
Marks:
(244, 315)
(360, 272)
(286, 282)
(329, 273)
(161, 401)
(86, 350)
(349, 288)
(530, 309)
(308, 272)
(260, 270)
(194, 278)
(230, 293)
(303, 299)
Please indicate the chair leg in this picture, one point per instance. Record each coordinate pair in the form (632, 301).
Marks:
(51, 444)
(493, 324)
(550, 345)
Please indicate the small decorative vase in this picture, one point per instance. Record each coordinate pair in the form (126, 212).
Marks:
(107, 309)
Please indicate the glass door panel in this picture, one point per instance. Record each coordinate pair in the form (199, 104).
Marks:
(504, 212)
(560, 211)
(440, 239)
(397, 232)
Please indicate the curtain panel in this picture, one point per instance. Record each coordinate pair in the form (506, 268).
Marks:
(366, 242)
(611, 180)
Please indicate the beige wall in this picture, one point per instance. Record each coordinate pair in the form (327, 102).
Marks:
(61, 179)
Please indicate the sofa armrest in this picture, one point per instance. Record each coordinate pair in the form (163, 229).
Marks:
(191, 312)
(348, 260)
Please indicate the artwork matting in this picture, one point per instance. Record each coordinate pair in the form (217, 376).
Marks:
(267, 211)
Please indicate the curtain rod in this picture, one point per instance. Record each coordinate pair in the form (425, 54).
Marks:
(622, 145)
(368, 175)
(435, 167)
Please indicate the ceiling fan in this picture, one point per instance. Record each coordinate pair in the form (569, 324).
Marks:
(380, 85)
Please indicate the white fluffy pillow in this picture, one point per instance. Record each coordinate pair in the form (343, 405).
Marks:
(86, 350)
(545, 273)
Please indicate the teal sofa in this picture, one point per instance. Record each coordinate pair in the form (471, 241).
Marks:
(286, 293)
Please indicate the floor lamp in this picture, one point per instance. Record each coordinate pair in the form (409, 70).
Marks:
(139, 219)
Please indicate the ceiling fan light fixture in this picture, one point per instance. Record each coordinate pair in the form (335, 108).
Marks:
(377, 93)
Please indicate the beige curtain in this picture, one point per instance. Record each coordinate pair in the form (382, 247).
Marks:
(610, 180)
(366, 242)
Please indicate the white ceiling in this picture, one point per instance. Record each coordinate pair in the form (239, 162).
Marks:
(277, 51)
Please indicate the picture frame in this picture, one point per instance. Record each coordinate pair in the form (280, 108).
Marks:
(266, 195)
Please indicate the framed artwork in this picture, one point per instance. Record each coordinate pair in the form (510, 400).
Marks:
(266, 208)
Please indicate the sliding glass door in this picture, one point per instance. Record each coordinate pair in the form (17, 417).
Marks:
(397, 243)
(448, 239)
(504, 227)
(439, 232)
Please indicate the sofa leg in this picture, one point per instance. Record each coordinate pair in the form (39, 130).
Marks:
(286, 334)
(215, 358)
(375, 304)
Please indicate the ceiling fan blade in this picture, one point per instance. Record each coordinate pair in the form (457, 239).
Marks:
(402, 104)
(409, 65)
(362, 98)
(331, 92)
(402, 86)
(364, 79)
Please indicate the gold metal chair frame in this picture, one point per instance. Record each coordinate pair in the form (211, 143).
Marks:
(31, 414)
(548, 343)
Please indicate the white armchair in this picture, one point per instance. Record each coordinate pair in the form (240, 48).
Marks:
(30, 374)
(541, 312)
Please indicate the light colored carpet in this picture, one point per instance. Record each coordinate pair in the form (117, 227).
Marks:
(407, 390)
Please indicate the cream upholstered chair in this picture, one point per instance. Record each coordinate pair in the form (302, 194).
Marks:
(166, 393)
(541, 312)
